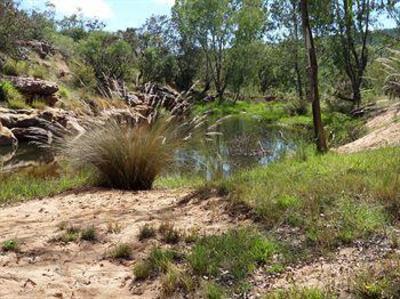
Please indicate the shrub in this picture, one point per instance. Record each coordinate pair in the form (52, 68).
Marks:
(122, 155)
(83, 75)
(10, 245)
(296, 106)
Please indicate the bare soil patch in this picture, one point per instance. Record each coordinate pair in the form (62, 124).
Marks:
(384, 130)
(44, 269)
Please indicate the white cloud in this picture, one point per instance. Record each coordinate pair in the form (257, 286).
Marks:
(89, 8)
(165, 2)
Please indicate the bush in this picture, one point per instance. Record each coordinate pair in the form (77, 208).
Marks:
(124, 156)
(83, 75)
(296, 106)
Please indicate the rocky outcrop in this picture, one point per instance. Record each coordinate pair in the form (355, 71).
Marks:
(39, 126)
(36, 89)
(43, 49)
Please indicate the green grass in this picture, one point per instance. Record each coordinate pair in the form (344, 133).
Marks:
(226, 259)
(178, 181)
(238, 252)
(333, 198)
(266, 111)
(38, 183)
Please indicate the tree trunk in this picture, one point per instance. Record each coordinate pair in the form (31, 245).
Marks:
(299, 84)
(313, 92)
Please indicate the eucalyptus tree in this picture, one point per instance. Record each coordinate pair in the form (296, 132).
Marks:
(313, 90)
(211, 23)
(353, 22)
(286, 18)
(221, 29)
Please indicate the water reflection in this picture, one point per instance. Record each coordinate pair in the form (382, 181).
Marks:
(245, 142)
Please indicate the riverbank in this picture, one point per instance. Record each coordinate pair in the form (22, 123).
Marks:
(311, 224)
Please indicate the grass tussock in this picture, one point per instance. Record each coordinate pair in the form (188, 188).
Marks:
(333, 198)
(169, 233)
(121, 251)
(159, 261)
(124, 156)
(146, 232)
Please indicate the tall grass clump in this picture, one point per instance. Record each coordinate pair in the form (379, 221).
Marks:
(125, 156)
(392, 67)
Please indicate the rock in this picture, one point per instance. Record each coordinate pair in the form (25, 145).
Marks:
(36, 88)
(7, 137)
(31, 86)
(33, 134)
(44, 49)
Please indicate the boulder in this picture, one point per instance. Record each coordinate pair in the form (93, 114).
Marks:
(33, 88)
(33, 134)
(7, 137)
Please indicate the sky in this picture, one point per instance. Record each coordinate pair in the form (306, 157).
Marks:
(117, 14)
(120, 14)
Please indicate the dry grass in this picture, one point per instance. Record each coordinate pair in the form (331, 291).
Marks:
(125, 156)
